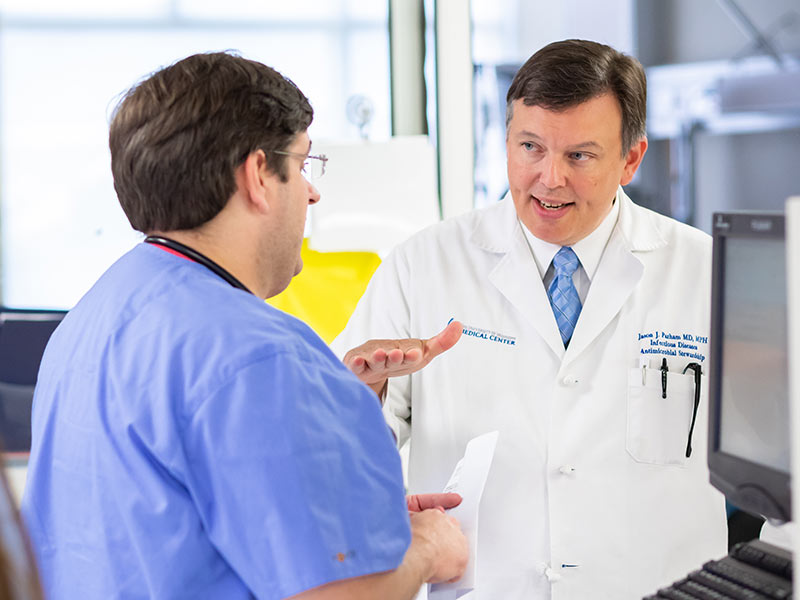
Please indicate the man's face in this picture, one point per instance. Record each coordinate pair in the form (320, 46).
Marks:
(564, 166)
(294, 197)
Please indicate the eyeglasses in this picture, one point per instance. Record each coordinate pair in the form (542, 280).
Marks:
(313, 166)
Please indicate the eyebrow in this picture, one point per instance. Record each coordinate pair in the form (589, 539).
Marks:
(579, 146)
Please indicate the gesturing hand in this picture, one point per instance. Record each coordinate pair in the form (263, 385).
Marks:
(375, 361)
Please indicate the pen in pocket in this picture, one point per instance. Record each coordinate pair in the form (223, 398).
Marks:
(697, 369)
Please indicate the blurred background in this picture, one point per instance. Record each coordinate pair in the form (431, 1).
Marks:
(409, 100)
(724, 110)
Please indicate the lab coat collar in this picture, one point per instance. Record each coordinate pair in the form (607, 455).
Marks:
(619, 272)
(497, 230)
(589, 250)
(637, 226)
(515, 276)
(497, 226)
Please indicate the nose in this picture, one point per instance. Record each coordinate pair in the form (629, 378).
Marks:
(313, 194)
(552, 174)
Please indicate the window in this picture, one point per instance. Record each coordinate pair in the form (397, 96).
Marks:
(63, 66)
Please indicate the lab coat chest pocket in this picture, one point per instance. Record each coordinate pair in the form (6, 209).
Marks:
(658, 427)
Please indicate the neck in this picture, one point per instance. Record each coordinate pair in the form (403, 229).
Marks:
(180, 249)
(227, 253)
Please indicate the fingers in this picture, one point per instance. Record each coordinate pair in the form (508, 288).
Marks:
(447, 500)
(420, 502)
(356, 364)
(395, 356)
(393, 361)
(376, 360)
(444, 340)
(413, 503)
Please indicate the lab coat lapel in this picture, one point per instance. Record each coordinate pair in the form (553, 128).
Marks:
(615, 279)
(515, 276)
(620, 270)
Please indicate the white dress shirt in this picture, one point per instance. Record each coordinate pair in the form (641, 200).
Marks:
(589, 251)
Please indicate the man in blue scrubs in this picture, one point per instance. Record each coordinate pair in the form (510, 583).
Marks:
(190, 441)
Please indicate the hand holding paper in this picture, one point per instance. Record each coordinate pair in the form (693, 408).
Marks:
(440, 539)
(468, 480)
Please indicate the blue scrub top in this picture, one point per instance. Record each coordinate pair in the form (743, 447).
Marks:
(190, 441)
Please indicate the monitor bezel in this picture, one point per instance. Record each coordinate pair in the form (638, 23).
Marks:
(733, 475)
(53, 316)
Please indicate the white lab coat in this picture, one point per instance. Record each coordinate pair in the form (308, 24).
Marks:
(590, 495)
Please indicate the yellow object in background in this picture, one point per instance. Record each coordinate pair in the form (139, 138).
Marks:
(326, 291)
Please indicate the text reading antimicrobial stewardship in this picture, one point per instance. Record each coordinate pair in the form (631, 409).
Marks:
(673, 344)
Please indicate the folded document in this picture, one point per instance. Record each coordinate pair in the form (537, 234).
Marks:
(468, 480)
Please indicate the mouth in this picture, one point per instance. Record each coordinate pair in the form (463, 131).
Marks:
(552, 206)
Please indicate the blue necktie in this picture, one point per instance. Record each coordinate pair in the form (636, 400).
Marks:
(563, 296)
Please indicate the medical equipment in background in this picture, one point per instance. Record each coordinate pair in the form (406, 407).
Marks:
(374, 194)
(793, 285)
(23, 336)
(326, 291)
(749, 441)
(742, 95)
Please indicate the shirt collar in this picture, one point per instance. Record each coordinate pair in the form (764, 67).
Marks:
(589, 250)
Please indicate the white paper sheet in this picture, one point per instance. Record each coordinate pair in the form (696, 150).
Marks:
(468, 480)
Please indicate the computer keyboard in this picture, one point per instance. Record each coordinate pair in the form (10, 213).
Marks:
(751, 571)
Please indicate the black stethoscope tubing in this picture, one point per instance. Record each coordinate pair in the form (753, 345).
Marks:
(194, 255)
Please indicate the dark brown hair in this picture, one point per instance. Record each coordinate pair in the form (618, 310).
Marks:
(567, 73)
(177, 137)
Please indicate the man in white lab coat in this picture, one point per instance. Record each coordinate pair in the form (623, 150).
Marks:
(597, 490)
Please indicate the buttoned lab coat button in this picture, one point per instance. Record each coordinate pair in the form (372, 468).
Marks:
(569, 381)
(566, 470)
(551, 575)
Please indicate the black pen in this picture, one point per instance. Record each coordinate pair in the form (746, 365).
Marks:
(698, 371)
(664, 370)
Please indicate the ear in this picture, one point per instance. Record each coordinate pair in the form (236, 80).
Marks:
(256, 181)
(632, 161)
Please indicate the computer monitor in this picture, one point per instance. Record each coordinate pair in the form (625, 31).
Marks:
(23, 336)
(749, 443)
